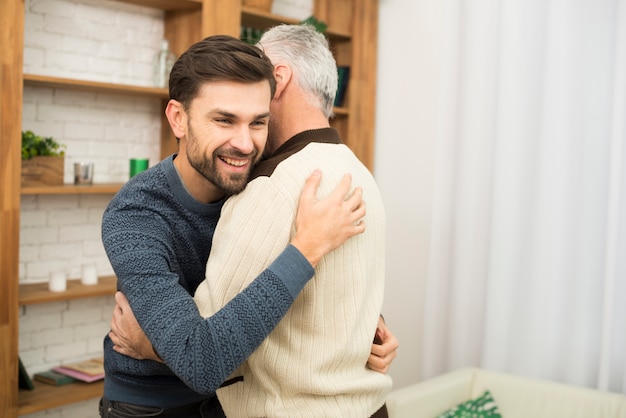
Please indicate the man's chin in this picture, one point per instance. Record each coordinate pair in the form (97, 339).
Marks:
(235, 185)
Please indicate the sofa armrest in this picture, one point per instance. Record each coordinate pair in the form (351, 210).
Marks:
(431, 397)
(521, 397)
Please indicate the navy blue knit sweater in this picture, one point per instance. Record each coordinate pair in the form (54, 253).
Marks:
(158, 239)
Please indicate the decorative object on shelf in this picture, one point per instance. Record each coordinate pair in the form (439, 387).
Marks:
(42, 160)
(24, 381)
(250, 35)
(89, 275)
(83, 173)
(343, 73)
(319, 25)
(58, 281)
(137, 165)
(163, 62)
(53, 378)
(264, 5)
(87, 370)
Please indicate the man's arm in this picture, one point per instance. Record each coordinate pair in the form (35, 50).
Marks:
(130, 340)
(225, 340)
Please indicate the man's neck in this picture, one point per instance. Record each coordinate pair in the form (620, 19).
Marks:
(296, 120)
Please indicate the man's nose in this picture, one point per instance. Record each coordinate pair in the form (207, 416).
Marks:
(242, 140)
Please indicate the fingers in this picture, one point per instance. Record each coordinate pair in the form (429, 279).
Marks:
(323, 225)
(384, 349)
(341, 191)
(377, 364)
(122, 302)
(355, 199)
(351, 201)
(311, 185)
(381, 357)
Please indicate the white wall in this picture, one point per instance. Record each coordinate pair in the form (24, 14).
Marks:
(410, 41)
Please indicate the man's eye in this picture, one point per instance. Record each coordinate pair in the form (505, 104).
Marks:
(259, 123)
(227, 121)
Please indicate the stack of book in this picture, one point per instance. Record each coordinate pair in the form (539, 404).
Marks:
(53, 378)
(86, 371)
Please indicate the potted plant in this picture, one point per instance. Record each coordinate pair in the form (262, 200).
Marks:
(42, 160)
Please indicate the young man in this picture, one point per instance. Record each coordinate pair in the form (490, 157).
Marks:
(313, 363)
(158, 230)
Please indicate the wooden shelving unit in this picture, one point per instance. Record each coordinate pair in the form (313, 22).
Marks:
(30, 294)
(45, 396)
(104, 188)
(93, 86)
(352, 31)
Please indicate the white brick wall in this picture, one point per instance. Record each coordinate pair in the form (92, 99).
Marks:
(101, 41)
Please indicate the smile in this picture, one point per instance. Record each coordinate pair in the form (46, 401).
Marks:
(234, 162)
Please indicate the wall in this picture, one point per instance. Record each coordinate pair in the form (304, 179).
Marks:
(409, 69)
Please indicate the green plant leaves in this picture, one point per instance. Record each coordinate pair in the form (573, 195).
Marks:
(35, 145)
(319, 25)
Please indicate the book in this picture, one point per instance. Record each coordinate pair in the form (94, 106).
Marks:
(24, 381)
(87, 370)
(54, 378)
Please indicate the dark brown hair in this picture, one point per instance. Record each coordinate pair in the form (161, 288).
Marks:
(218, 58)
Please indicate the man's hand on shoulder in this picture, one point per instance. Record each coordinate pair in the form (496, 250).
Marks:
(323, 225)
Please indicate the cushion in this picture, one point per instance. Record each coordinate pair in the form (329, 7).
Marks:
(481, 407)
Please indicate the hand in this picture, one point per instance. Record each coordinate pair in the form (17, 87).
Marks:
(384, 349)
(127, 336)
(323, 225)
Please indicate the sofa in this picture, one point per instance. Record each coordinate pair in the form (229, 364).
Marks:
(515, 397)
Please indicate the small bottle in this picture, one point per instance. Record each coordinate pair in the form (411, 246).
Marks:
(163, 62)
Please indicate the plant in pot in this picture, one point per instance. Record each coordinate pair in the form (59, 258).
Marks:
(42, 160)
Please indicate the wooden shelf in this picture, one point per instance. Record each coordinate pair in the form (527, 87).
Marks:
(340, 111)
(104, 188)
(167, 4)
(33, 293)
(94, 86)
(254, 18)
(46, 396)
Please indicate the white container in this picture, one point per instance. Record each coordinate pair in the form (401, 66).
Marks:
(58, 281)
(89, 275)
(163, 62)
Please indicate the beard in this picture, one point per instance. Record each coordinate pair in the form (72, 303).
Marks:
(229, 183)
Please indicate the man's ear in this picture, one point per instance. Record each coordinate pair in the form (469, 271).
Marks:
(177, 117)
(282, 74)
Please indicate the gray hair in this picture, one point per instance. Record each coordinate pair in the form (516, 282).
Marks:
(306, 51)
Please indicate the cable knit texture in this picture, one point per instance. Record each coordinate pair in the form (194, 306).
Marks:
(314, 363)
(158, 239)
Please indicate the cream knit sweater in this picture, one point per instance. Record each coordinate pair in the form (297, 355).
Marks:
(314, 362)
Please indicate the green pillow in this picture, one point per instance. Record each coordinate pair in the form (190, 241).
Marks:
(481, 407)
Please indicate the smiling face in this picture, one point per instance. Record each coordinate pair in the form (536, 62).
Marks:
(226, 131)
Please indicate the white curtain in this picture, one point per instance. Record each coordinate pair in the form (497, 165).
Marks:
(527, 272)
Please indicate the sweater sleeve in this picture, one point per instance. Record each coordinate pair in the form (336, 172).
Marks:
(201, 352)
